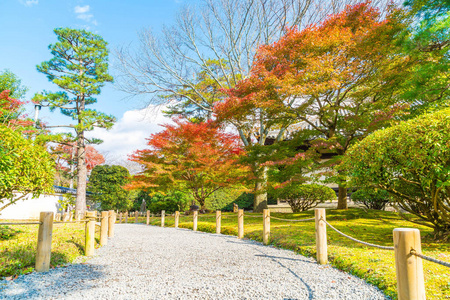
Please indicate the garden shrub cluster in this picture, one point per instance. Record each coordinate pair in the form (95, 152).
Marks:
(224, 199)
(411, 162)
(372, 198)
(302, 197)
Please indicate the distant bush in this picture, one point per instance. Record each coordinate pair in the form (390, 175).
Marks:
(171, 202)
(372, 198)
(244, 201)
(302, 197)
(225, 198)
(168, 206)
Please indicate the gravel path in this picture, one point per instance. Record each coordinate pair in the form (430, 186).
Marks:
(147, 262)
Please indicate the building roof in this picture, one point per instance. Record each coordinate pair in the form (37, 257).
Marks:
(66, 190)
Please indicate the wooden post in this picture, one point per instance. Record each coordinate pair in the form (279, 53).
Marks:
(410, 282)
(218, 221)
(266, 226)
(65, 217)
(90, 233)
(126, 217)
(177, 218)
(71, 216)
(111, 222)
(58, 217)
(120, 218)
(195, 220)
(148, 217)
(136, 215)
(44, 244)
(235, 208)
(163, 217)
(104, 228)
(240, 223)
(321, 236)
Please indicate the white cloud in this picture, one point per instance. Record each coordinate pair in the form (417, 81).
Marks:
(82, 9)
(29, 2)
(129, 133)
(82, 13)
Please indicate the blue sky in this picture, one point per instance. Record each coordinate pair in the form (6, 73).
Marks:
(27, 30)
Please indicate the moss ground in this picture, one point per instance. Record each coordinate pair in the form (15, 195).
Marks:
(18, 246)
(374, 265)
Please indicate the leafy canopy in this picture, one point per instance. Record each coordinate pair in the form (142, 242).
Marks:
(79, 67)
(106, 183)
(24, 168)
(10, 81)
(199, 158)
(322, 81)
(411, 162)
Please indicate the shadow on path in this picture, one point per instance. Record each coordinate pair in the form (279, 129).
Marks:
(60, 282)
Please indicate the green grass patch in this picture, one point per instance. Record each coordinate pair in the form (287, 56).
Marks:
(375, 266)
(18, 246)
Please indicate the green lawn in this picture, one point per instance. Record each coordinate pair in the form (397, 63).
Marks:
(374, 265)
(18, 246)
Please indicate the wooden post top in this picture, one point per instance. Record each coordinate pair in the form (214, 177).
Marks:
(91, 214)
(406, 229)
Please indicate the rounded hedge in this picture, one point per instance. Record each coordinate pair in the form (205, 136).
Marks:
(304, 196)
(411, 161)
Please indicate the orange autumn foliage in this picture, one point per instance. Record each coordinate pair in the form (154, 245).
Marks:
(200, 158)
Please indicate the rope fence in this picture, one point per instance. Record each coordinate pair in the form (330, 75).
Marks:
(358, 241)
(409, 270)
(437, 261)
(291, 220)
(46, 221)
(22, 223)
(70, 222)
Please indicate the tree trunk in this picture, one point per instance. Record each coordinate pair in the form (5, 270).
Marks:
(342, 198)
(81, 174)
(260, 201)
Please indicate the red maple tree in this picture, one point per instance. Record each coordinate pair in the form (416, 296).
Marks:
(326, 79)
(11, 113)
(65, 158)
(198, 157)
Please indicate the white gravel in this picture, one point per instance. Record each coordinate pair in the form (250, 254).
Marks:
(147, 262)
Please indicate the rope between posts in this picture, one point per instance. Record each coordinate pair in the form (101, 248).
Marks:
(66, 222)
(437, 261)
(302, 220)
(250, 216)
(356, 240)
(23, 223)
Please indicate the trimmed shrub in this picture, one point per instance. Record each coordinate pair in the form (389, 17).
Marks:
(169, 206)
(223, 199)
(372, 198)
(411, 162)
(302, 197)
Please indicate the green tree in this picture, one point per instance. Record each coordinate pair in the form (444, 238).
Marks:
(419, 56)
(24, 168)
(106, 183)
(9, 81)
(79, 67)
(411, 161)
(11, 107)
